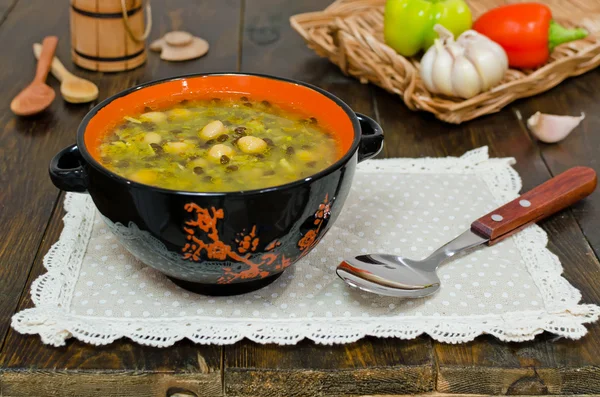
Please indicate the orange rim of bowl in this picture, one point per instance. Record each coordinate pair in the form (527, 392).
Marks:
(300, 98)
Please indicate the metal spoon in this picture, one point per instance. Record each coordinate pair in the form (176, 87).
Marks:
(396, 276)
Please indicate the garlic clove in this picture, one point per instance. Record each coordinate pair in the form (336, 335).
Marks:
(471, 38)
(465, 79)
(552, 128)
(486, 62)
(442, 71)
(444, 34)
(426, 69)
(502, 58)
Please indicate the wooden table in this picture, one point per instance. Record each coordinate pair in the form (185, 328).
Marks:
(255, 36)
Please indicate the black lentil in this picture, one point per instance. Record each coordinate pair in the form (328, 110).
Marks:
(241, 131)
(148, 126)
(157, 148)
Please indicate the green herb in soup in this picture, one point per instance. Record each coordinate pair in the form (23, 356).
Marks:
(219, 145)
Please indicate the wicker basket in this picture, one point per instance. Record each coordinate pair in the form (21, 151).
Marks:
(350, 34)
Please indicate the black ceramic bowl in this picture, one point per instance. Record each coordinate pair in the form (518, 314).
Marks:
(219, 243)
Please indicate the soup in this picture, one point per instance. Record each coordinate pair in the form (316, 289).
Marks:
(218, 145)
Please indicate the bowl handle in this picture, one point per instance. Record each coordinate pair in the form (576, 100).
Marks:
(371, 140)
(67, 172)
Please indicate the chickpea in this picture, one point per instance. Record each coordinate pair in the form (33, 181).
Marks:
(176, 147)
(180, 113)
(252, 174)
(251, 144)
(152, 137)
(155, 117)
(212, 130)
(147, 177)
(305, 155)
(286, 165)
(199, 162)
(219, 150)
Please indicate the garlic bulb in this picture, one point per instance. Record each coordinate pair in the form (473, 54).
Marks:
(465, 67)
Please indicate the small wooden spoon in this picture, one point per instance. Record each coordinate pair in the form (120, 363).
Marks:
(37, 96)
(73, 89)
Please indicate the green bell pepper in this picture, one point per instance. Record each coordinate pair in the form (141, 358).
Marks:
(408, 24)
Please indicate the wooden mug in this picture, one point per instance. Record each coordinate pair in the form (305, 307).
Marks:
(109, 35)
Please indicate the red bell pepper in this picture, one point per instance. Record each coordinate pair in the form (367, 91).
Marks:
(526, 31)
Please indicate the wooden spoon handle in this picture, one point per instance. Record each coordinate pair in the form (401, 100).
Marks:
(548, 198)
(43, 67)
(58, 69)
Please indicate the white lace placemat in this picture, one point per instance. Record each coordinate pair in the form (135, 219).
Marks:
(96, 292)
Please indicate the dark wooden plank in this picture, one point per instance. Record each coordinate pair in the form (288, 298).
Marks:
(28, 366)
(67, 384)
(26, 146)
(548, 365)
(488, 366)
(216, 22)
(25, 358)
(370, 366)
(6, 7)
(572, 97)
(545, 365)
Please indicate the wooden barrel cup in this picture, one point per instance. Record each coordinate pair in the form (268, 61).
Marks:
(99, 38)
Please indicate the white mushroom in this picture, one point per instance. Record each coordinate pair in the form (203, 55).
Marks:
(552, 128)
